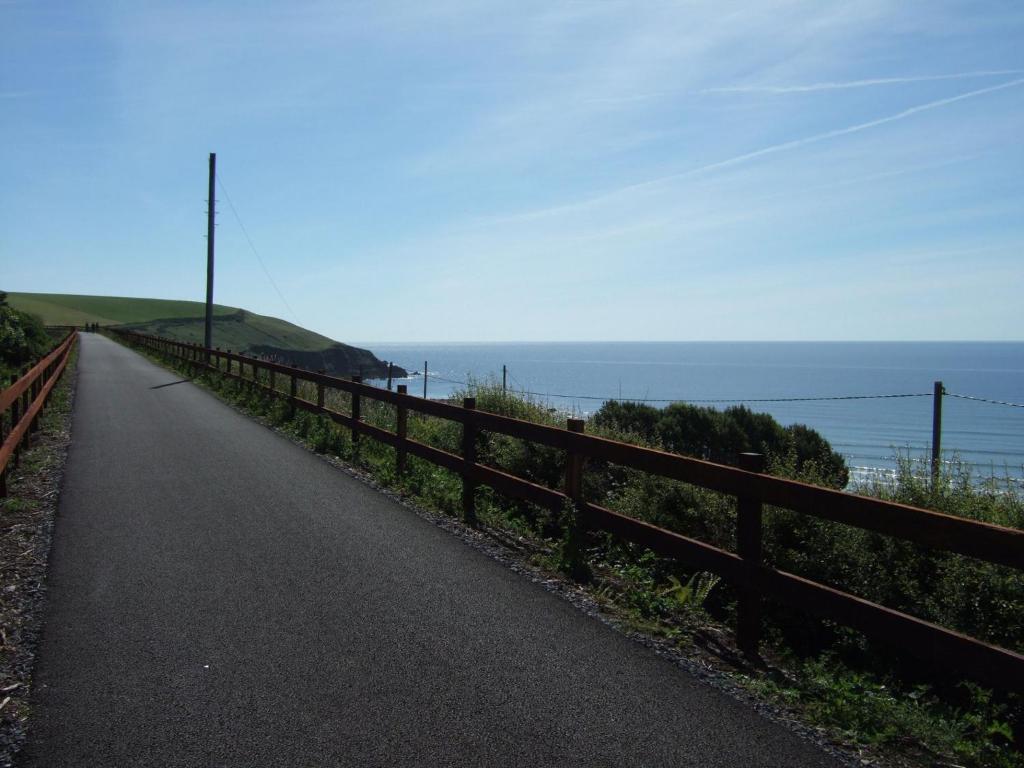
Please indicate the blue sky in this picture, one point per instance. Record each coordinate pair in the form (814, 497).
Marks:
(528, 170)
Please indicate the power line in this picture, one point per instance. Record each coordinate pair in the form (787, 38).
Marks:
(524, 391)
(721, 400)
(450, 381)
(255, 252)
(295, 317)
(984, 400)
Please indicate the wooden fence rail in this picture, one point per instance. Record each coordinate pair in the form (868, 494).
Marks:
(26, 396)
(989, 664)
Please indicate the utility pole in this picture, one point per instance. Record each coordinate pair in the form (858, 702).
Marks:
(210, 213)
(937, 429)
(504, 378)
(424, 379)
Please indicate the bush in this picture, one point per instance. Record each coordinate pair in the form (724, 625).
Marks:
(23, 339)
(720, 436)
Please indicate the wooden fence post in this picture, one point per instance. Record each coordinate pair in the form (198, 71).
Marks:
(46, 377)
(26, 401)
(468, 461)
(3, 472)
(320, 393)
(35, 389)
(573, 554)
(748, 545)
(402, 429)
(574, 465)
(356, 412)
(15, 418)
(293, 392)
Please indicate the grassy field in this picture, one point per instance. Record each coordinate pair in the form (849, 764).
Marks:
(70, 309)
(236, 329)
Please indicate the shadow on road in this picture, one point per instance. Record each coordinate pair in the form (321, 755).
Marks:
(170, 384)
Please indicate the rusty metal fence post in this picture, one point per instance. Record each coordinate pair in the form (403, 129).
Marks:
(469, 432)
(748, 545)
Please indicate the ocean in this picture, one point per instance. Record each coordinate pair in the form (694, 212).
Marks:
(576, 377)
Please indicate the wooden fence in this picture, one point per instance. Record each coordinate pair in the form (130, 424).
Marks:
(994, 666)
(26, 396)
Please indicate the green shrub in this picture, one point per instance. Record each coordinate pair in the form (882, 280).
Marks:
(720, 436)
(23, 338)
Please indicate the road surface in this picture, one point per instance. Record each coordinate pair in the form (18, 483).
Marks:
(219, 596)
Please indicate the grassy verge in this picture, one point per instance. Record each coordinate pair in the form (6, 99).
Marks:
(883, 705)
(26, 521)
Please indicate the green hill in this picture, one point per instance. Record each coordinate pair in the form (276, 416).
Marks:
(233, 328)
(69, 309)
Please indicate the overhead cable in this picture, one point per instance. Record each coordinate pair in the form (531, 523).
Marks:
(984, 400)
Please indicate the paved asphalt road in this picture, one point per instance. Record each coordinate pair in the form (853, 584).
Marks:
(221, 597)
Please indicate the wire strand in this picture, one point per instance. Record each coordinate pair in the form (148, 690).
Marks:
(295, 317)
(252, 247)
(984, 400)
(524, 391)
(722, 400)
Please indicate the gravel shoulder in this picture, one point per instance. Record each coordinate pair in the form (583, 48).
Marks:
(26, 526)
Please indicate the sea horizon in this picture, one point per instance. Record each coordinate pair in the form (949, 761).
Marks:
(870, 400)
(367, 344)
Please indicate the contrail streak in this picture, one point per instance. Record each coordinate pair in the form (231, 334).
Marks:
(841, 131)
(771, 150)
(836, 86)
